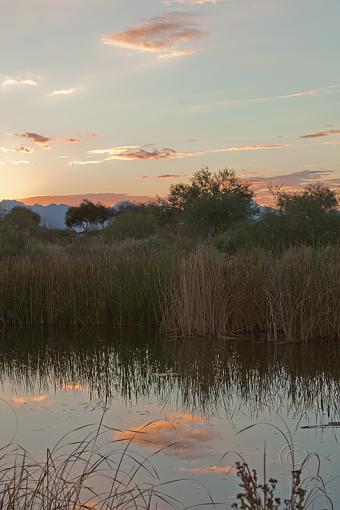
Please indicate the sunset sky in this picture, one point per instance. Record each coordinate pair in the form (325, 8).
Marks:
(127, 96)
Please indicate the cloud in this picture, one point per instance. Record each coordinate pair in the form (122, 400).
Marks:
(329, 89)
(322, 134)
(108, 199)
(166, 36)
(78, 162)
(17, 82)
(182, 434)
(292, 182)
(24, 149)
(143, 177)
(44, 141)
(251, 148)
(170, 176)
(21, 162)
(138, 153)
(35, 137)
(63, 92)
(192, 2)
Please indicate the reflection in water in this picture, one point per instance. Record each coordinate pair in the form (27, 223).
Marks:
(192, 394)
(200, 376)
(183, 434)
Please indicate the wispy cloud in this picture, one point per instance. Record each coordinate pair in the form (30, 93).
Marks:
(21, 162)
(44, 141)
(63, 92)
(9, 82)
(170, 176)
(140, 153)
(322, 134)
(24, 149)
(329, 89)
(292, 182)
(78, 162)
(166, 36)
(143, 177)
(192, 2)
(242, 148)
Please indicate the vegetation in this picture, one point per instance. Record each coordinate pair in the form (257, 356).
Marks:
(203, 261)
(87, 215)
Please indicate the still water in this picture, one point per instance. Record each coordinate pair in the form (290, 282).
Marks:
(188, 399)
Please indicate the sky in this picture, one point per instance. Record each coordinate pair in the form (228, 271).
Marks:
(129, 96)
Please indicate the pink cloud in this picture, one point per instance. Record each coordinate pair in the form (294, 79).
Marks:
(167, 36)
(44, 141)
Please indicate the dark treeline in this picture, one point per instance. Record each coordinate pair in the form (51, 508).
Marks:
(215, 207)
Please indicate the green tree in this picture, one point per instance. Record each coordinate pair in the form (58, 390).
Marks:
(22, 218)
(313, 201)
(87, 215)
(211, 202)
(136, 222)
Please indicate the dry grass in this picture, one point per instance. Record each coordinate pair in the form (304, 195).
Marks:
(294, 295)
(90, 473)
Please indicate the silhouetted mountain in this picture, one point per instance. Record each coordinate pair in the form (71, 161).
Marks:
(52, 215)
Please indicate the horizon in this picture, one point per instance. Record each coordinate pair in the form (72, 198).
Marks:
(110, 95)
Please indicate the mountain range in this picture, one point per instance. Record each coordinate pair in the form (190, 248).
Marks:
(52, 215)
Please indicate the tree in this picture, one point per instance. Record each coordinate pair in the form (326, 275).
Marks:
(313, 201)
(87, 215)
(22, 218)
(136, 222)
(211, 202)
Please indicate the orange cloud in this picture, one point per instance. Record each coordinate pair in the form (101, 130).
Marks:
(108, 199)
(28, 400)
(143, 177)
(181, 434)
(166, 36)
(322, 134)
(134, 153)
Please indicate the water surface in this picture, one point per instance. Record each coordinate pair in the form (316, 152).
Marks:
(193, 394)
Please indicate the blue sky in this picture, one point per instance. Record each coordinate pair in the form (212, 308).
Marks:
(128, 96)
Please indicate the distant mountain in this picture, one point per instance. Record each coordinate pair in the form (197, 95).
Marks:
(52, 215)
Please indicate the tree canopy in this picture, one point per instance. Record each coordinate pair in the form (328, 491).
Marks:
(87, 215)
(22, 218)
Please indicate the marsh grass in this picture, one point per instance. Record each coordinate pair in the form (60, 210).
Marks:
(294, 295)
(90, 473)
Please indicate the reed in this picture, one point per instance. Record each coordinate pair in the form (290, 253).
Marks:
(294, 295)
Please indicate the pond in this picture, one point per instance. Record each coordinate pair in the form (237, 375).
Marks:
(186, 399)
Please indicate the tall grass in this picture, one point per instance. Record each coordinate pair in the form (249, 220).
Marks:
(294, 295)
(89, 473)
